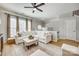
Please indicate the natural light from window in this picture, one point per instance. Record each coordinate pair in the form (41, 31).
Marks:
(22, 25)
(12, 26)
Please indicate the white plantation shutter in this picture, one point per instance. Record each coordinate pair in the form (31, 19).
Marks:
(12, 26)
(22, 24)
(29, 25)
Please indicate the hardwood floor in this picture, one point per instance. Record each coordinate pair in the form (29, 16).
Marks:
(52, 48)
(17, 50)
(20, 50)
(66, 41)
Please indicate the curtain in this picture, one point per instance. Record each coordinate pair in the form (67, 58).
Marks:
(8, 25)
(26, 24)
(16, 24)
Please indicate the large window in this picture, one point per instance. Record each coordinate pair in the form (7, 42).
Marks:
(22, 24)
(12, 26)
(29, 25)
(16, 25)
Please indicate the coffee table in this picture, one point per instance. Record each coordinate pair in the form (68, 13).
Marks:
(28, 42)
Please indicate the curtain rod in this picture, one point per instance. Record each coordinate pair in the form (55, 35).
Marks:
(16, 15)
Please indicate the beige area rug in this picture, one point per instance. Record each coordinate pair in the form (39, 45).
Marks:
(39, 52)
(19, 50)
(13, 50)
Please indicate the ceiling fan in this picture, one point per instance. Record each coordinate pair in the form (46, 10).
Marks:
(35, 6)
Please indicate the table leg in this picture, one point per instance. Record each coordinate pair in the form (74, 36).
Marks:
(23, 43)
(28, 47)
(37, 43)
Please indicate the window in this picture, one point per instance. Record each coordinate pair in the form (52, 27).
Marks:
(12, 26)
(16, 26)
(29, 25)
(22, 24)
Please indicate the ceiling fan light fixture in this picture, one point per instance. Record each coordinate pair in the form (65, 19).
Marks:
(34, 9)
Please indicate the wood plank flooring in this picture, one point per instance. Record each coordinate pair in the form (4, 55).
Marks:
(66, 41)
(17, 50)
(20, 50)
(52, 48)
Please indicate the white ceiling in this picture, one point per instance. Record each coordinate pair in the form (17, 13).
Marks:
(50, 10)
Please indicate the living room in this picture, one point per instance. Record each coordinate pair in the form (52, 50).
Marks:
(34, 32)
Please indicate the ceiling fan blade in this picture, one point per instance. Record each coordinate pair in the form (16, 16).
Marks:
(40, 4)
(39, 9)
(33, 4)
(28, 7)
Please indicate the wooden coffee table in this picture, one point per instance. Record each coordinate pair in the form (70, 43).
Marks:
(28, 42)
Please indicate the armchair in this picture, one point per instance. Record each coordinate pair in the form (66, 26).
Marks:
(44, 36)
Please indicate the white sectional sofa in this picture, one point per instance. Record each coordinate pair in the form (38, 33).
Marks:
(43, 36)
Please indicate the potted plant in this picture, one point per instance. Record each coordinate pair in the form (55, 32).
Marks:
(31, 37)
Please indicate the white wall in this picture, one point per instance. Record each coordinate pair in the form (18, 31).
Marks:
(77, 26)
(60, 25)
(3, 25)
(35, 23)
(70, 27)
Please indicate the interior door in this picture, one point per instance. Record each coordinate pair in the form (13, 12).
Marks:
(77, 27)
(71, 29)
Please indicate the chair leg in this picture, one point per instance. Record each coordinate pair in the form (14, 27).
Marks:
(28, 47)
